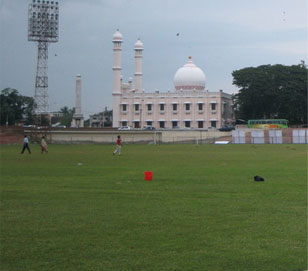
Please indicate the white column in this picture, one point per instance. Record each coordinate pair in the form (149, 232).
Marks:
(138, 65)
(116, 86)
(78, 95)
(77, 121)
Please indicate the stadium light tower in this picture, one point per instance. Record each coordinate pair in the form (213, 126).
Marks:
(43, 28)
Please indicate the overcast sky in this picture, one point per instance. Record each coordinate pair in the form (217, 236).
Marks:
(220, 35)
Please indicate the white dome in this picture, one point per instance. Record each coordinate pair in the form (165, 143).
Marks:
(138, 45)
(189, 77)
(117, 36)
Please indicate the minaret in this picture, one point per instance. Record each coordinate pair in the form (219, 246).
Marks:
(116, 86)
(138, 65)
(77, 120)
(130, 82)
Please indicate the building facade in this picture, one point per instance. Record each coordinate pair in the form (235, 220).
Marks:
(188, 106)
(102, 119)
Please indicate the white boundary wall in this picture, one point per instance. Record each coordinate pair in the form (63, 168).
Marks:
(275, 136)
(238, 137)
(300, 136)
(257, 137)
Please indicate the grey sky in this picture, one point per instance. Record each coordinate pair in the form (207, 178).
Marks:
(221, 36)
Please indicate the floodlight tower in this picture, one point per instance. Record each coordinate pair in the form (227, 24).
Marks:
(43, 28)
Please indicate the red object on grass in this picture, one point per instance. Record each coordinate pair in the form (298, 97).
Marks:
(148, 175)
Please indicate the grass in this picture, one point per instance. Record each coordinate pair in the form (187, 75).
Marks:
(202, 211)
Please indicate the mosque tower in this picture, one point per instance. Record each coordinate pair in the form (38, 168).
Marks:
(117, 68)
(77, 120)
(138, 65)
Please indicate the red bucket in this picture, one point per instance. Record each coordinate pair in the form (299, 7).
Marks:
(148, 175)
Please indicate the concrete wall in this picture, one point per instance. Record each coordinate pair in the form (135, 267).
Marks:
(13, 136)
(108, 137)
(194, 136)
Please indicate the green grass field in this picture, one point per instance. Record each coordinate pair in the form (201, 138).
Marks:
(202, 210)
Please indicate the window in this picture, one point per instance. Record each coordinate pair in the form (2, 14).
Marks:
(124, 123)
(136, 107)
(174, 124)
(213, 123)
(161, 124)
(187, 107)
(200, 106)
(149, 123)
(162, 107)
(137, 124)
(149, 106)
(187, 123)
(174, 107)
(124, 109)
(213, 106)
(200, 124)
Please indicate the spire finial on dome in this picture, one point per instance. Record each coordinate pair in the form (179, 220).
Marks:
(138, 45)
(117, 36)
(189, 57)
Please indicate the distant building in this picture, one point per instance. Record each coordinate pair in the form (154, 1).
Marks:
(103, 119)
(55, 114)
(54, 117)
(188, 106)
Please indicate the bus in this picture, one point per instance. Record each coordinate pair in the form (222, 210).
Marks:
(268, 123)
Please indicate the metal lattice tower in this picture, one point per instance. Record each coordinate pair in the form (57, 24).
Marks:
(43, 28)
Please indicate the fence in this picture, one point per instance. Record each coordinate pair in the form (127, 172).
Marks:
(240, 136)
(282, 136)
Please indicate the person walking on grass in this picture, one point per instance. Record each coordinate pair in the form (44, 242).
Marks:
(26, 145)
(43, 145)
(119, 146)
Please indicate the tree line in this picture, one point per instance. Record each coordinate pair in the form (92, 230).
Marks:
(271, 92)
(16, 109)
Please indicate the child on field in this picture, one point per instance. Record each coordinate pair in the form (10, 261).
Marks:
(119, 146)
(43, 145)
(26, 145)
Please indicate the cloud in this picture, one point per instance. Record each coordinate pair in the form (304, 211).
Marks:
(8, 10)
(221, 35)
(289, 47)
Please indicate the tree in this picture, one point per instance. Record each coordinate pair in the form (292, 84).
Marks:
(271, 91)
(15, 107)
(67, 116)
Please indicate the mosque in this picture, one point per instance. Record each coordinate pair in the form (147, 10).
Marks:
(188, 106)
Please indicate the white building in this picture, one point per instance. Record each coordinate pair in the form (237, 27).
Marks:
(188, 106)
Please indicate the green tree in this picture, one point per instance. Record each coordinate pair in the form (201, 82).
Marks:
(271, 91)
(67, 116)
(15, 107)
